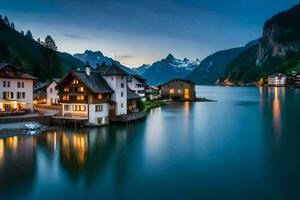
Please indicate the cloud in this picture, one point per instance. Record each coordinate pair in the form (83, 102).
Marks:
(78, 37)
(126, 56)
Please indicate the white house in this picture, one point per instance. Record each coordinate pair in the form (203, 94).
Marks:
(277, 80)
(52, 92)
(16, 88)
(137, 84)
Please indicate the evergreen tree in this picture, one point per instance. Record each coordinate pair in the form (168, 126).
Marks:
(29, 34)
(6, 21)
(12, 25)
(49, 43)
(22, 32)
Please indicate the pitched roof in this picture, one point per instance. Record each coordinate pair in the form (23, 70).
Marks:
(114, 70)
(132, 95)
(94, 82)
(138, 77)
(178, 79)
(23, 74)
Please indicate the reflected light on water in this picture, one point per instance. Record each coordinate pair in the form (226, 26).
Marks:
(1, 152)
(276, 114)
(12, 143)
(79, 142)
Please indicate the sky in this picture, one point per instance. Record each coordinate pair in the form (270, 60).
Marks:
(144, 31)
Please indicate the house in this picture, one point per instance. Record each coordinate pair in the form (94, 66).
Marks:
(152, 93)
(16, 88)
(52, 92)
(277, 79)
(137, 84)
(97, 96)
(297, 80)
(46, 92)
(178, 89)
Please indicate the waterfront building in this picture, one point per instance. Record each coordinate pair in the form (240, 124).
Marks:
(178, 89)
(152, 93)
(46, 92)
(137, 84)
(16, 88)
(277, 79)
(97, 97)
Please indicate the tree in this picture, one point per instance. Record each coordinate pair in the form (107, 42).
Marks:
(22, 32)
(29, 34)
(49, 43)
(6, 21)
(12, 25)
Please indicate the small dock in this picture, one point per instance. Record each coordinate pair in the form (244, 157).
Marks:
(81, 121)
(131, 117)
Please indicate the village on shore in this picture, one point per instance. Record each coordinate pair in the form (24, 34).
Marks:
(84, 96)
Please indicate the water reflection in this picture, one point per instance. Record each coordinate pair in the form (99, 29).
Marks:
(276, 115)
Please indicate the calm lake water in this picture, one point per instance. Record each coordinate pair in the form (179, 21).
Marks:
(245, 146)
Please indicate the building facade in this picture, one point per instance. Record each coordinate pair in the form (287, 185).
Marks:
(277, 80)
(16, 88)
(52, 92)
(137, 84)
(178, 89)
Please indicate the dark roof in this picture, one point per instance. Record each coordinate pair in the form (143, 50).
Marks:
(40, 86)
(178, 79)
(139, 77)
(94, 82)
(23, 74)
(132, 95)
(114, 70)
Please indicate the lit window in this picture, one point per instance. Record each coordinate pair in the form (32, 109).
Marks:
(172, 91)
(66, 98)
(81, 89)
(179, 91)
(75, 81)
(80, 98)
(66, 107)
(79, 108)
(99, 96)
(66, 89)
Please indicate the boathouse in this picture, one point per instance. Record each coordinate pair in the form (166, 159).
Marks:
(178, 89)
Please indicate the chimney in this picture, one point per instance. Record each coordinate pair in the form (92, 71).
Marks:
(88, 70)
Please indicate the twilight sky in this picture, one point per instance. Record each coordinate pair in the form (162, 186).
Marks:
(143, 31)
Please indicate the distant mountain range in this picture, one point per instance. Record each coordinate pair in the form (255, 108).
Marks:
(166, 69)
(96, 58)
(213, 66)
(38, 60)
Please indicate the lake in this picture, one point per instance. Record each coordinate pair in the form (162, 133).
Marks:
(244, 146)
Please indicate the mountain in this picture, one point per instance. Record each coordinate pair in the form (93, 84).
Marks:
(167, 69)
(277, 51)
(42, 62)
(212, 67)
(96, 58)
(141, 70)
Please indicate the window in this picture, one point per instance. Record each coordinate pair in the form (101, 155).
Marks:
(122, 77)
(18, 95)
(79, 108)
(75, 82)
(122, 94)
(19, 84)
(81, 89)
(99, 108)
(12, 95)
(172, 91)
(112, 78)
(22, 84)
(66, 107)
(6, 95)
(4, 83)
(179, 90)
(122, 85)
(66, 98)
(80, 98)
(50, 90)
(99, 96)
(129, 79)
(8, 83)
(66, 89)
(121, 105)
(23, 95)
(99, 120)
